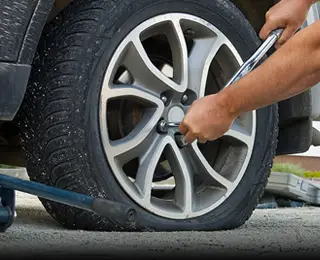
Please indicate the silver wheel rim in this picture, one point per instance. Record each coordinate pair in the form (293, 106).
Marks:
(198, 184)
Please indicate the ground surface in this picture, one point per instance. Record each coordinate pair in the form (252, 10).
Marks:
(269, 232)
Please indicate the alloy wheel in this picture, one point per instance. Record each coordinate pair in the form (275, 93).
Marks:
(155, 74)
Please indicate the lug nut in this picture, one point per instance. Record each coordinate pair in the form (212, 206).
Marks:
(184, 98)
(162, 126)
(164, 99)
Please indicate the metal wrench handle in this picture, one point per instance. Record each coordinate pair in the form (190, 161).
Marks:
(172, 124)
(250, 64)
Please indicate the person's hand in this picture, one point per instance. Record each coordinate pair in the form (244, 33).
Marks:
(287, 14)
(207, 119)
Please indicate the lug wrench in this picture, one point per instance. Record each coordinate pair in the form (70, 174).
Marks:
(248, 66)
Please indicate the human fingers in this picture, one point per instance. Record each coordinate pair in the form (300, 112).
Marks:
(202, 140)
(267, 27)
(190, 137)
(285, 36)
(183, 128)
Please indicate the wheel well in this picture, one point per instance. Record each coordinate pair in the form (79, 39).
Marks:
(58, 6)
(254, 10)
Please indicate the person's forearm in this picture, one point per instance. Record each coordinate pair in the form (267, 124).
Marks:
(291, 70)
(308, 81)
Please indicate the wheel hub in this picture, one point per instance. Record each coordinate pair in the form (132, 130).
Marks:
(175, 114)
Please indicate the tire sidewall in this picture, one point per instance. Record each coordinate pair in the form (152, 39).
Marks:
(229, 21)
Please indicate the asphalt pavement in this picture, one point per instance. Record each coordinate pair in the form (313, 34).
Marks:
(289, 232)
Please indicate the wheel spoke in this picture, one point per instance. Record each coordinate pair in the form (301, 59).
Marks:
(141, 136)
(239, 133)
(179, 54)
(148, 164)
(180, 169)
(206, 170)
(145, 73)
(184, 190)
(201, 56)
(131, 91)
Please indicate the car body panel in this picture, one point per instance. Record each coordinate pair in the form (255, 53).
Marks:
(21, 24)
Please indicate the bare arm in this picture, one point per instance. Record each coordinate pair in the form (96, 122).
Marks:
(291, 70)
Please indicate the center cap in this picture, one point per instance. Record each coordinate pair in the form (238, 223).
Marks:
(176, 114)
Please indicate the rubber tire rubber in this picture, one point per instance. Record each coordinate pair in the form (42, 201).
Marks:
(59, 120)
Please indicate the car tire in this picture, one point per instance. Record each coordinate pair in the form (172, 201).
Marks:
(60, 114)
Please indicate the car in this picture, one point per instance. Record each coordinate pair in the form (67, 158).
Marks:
(85, 83)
